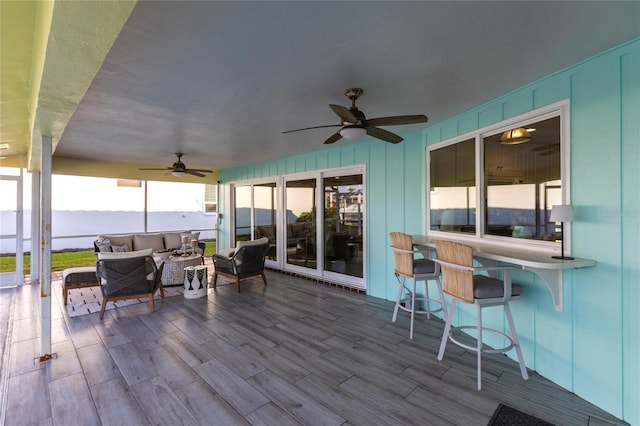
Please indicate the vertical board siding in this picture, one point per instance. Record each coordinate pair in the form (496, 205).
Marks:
(630, 227)
(595, 151)
(592, 348)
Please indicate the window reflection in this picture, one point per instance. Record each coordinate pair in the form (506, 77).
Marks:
(521, 181)
(452, 198)
(515, 180)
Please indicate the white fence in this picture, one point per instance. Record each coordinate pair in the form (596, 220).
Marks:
(78, 229)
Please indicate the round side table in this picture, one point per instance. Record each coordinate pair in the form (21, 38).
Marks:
(173, 272)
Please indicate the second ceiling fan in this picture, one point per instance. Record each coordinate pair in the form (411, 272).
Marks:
(355, 125)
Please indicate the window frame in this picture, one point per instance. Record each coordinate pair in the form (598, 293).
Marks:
(558, 109)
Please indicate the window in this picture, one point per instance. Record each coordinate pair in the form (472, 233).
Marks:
(210, 199)
(500, 181)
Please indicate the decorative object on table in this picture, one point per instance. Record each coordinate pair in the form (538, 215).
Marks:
(185, 239)
(195, 282)
(562, 213)
(461, 283)
(354, 124)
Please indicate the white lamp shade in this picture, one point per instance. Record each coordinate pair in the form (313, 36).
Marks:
(353, 132)
(178, 173)
(562, 213)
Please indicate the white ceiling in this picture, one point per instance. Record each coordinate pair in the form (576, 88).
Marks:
(220, 81)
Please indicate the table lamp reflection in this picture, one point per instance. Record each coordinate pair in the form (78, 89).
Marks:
(562, 213)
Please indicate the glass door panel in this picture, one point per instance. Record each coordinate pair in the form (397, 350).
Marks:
(300, 219)
(265, 215)
(8, 229)
(242, 213)
(343, 215)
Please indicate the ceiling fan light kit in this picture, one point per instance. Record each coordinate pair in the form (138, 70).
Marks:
(353, 132)
(515, 136)
(355, 125)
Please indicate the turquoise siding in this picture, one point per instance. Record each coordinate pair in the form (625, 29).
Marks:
(592, 348)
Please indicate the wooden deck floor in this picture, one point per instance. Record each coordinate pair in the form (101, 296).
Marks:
(295, 352)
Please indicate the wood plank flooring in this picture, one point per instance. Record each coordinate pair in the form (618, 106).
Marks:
(295, 352)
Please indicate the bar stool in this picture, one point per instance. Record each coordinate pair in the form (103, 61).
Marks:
(406, 266)
(459, 282)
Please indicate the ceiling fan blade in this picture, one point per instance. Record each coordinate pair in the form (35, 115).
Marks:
(201, 170)
(333, 138)
(166, 168)
(383, 135)
(194, 172)
(396, 120)
(314, 127)
(345, 115)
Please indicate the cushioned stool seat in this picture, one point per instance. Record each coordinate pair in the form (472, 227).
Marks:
(80, 277)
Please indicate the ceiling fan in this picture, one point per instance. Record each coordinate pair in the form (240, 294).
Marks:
(179, 169)
(354, 124)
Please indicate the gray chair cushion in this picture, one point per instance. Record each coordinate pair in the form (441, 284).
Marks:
(423, 266)
(487, 288)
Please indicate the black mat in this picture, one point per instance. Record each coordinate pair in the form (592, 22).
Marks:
(508, 416)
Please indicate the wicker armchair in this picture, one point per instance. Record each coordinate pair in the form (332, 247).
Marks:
(244, 261)
(128, 278)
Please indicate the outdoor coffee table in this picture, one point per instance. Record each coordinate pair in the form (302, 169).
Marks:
(173, 272)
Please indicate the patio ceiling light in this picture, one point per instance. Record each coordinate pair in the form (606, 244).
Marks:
(515, 137)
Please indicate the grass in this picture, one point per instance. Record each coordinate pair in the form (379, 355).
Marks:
(70, 259)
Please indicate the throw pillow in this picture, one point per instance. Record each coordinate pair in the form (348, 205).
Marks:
(104, 245)
(152, 241)
(118, 240)
(172, 240)
(120, 249)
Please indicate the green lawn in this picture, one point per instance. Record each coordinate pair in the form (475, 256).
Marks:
(70, 259)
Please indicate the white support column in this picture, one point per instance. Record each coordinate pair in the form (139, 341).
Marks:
(35, 227)
(45, 249)
(20, 226)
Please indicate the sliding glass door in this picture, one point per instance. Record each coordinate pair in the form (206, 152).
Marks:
(343, 224)
(300, 223)
(315, 222)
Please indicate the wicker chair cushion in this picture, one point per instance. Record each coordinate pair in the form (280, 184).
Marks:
(488, 288)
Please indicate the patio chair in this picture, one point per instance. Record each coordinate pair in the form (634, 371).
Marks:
(128, 278)
(460, 282)
(244, 261)
(406, 266)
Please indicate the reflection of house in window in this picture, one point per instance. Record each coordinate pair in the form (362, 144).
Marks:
(210, 198)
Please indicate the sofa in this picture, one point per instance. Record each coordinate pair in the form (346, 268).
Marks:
(156, 241)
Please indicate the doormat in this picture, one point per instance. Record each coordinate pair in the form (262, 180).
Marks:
(509, 416)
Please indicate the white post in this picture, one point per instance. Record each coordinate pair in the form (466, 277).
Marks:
(35, 227)
(20, 227)
(45, 249)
